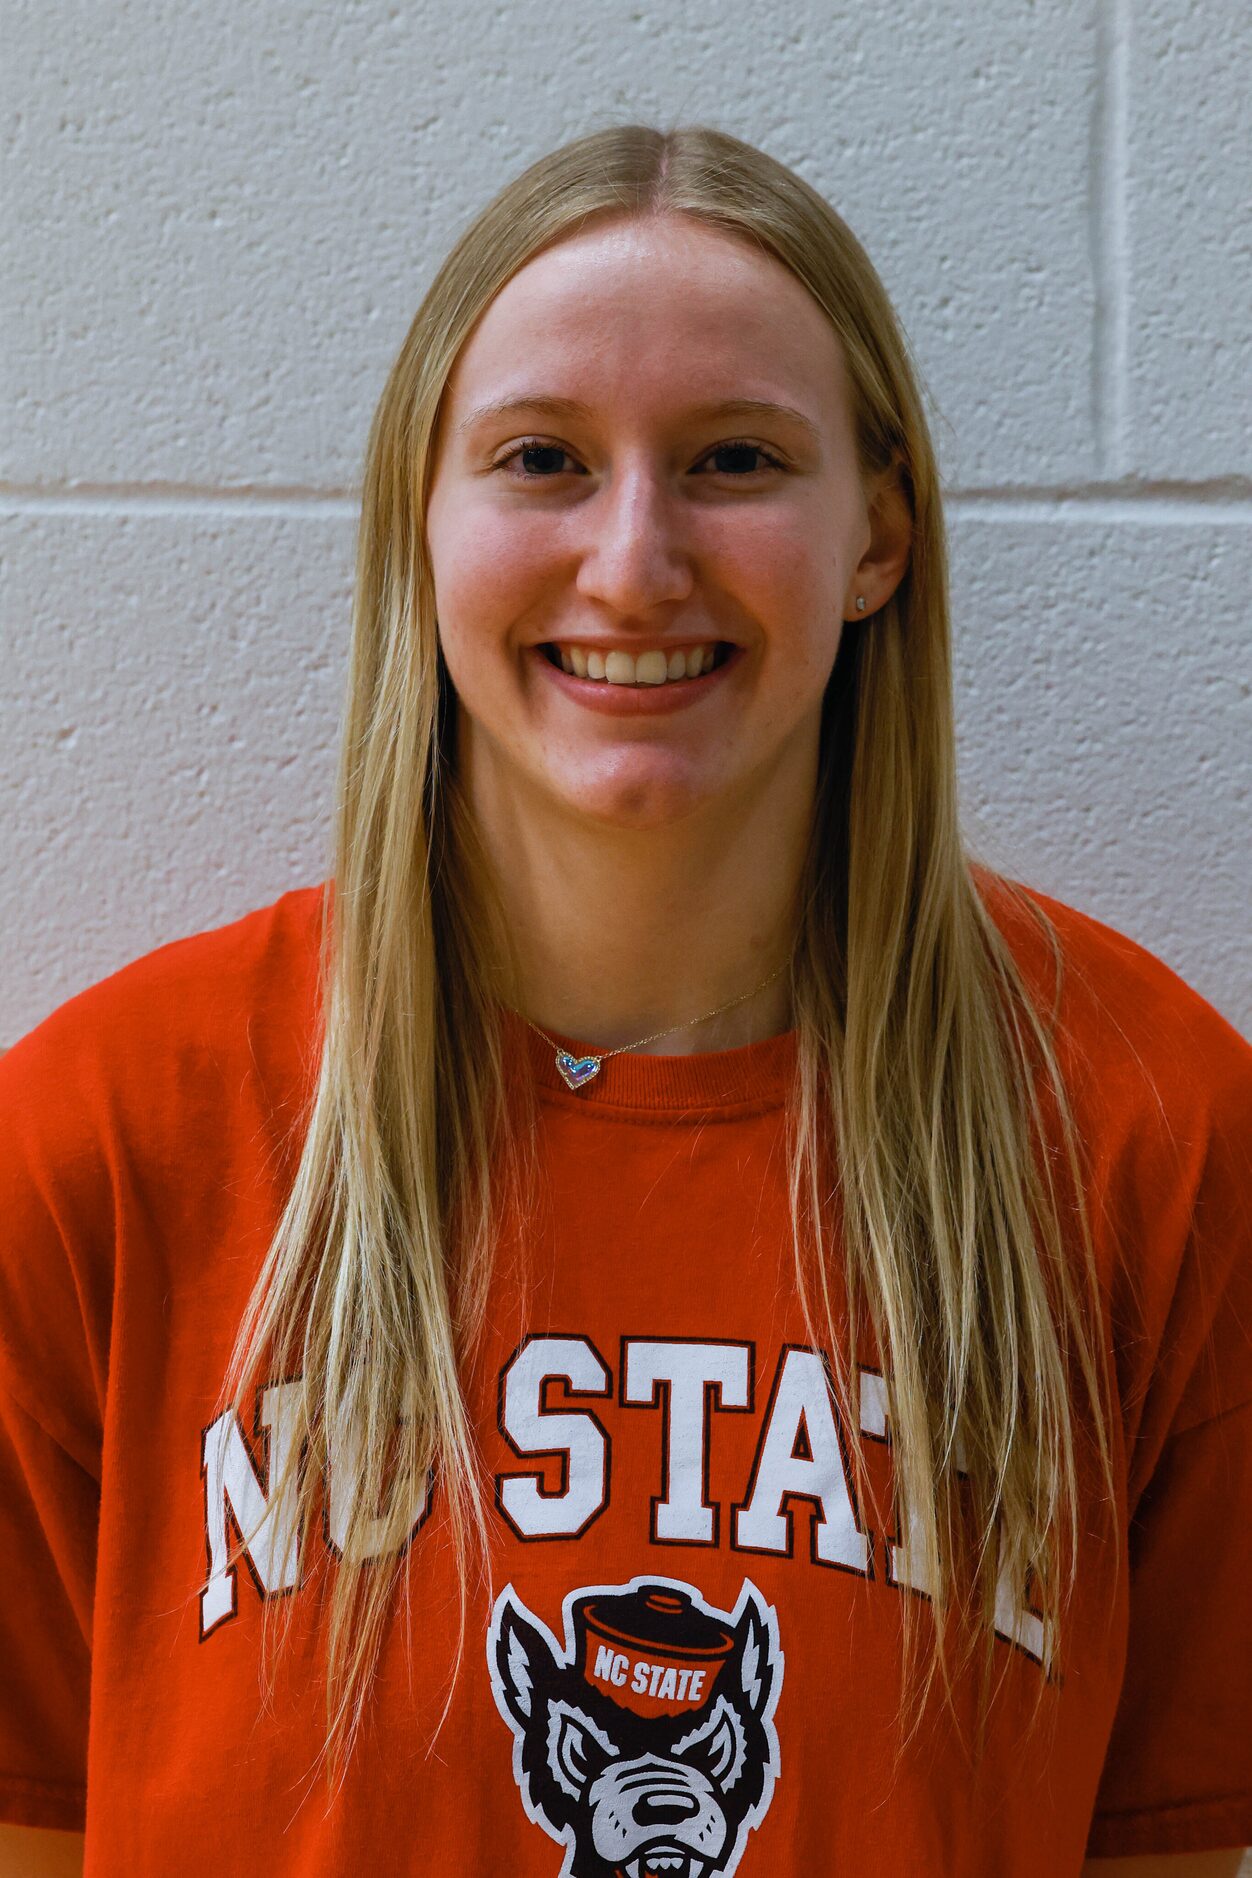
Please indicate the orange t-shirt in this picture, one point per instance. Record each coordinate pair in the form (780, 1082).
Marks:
(688, 1661)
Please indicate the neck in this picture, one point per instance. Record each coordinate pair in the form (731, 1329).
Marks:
(619, 933)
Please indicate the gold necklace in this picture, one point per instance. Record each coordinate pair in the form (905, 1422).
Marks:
(577, 1071)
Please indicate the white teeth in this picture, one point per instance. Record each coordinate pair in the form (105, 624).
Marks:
(654, 667)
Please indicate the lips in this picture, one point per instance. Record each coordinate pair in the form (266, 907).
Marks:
(599, 694)
(665, 663)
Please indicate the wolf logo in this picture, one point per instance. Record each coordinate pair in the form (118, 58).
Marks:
(646, 1745)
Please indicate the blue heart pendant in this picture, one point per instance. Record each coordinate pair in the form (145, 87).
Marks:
(577, 1069)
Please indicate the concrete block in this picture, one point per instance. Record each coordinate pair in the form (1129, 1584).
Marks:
(1189, 404)
(222, 219)
(167, 732)
(1104, 707)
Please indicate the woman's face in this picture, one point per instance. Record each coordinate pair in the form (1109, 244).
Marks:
(646, 449)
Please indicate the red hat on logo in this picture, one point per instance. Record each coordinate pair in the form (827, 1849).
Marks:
(651, 1650)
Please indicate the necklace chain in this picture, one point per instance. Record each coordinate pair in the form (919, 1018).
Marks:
(579, 1070)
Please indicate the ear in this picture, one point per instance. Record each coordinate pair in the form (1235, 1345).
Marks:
(756, 1662)
(522, 1661)
(885, 561)
(577, 1749)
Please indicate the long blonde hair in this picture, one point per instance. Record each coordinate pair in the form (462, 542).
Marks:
(917, 1129)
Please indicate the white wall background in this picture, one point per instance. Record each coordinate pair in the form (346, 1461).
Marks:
(221, 215)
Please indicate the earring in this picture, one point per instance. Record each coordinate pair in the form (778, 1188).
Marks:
(860, 602)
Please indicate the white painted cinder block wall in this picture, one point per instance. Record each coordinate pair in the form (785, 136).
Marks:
(221, 218)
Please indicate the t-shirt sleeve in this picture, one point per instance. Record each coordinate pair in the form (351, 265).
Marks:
(1178, 1774)
(49, 1513)
(1178, 1771)
(56, 1213)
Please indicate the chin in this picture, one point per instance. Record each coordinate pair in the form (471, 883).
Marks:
(632, 802)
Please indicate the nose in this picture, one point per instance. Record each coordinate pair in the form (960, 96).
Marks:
(664, 1809)
(634, 558)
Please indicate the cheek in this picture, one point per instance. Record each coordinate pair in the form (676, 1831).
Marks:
(784, 570)
(488, 572)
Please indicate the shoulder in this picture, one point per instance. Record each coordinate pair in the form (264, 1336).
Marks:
(195, 980)
(201, 1000)
(124, 1117)
(1133, 1037)
(1160, 1088)
(161, 1079)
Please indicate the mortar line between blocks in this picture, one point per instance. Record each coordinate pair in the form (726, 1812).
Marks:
(1108, 237)
(156, 499)
(1226, 501)
(1106, 511)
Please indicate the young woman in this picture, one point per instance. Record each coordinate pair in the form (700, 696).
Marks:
(666, 1324)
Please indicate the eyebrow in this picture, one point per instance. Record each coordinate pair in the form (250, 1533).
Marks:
(572, 407)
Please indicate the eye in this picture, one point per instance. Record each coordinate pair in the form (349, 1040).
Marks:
(538, 460)
(735, 459)
(533, 460)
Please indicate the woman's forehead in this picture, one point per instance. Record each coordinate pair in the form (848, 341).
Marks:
(656, 300)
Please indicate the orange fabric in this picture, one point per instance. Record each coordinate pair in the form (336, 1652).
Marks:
(689, 1660)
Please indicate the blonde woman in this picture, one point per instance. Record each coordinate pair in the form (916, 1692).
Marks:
(667, 1324)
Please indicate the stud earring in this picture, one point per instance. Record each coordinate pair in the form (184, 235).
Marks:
(860, 602)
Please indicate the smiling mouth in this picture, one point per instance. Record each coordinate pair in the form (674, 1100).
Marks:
(655, 667)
